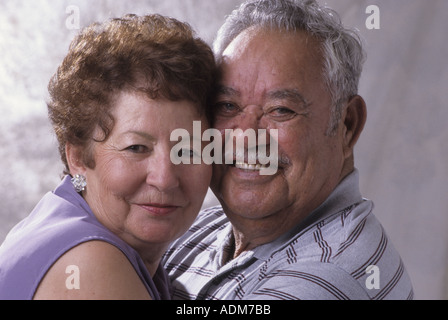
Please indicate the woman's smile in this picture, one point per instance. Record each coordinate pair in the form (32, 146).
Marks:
(159, 209)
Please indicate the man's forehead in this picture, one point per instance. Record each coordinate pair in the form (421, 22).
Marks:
(260, 36)
(272, 54)
(241, 42)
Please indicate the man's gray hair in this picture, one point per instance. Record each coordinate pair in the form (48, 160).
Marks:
(342, 48)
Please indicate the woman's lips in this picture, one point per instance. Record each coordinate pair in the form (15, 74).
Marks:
(159, 209)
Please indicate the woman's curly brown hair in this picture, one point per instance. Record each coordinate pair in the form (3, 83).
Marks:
(157, 55)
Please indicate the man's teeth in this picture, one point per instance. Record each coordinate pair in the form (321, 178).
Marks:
(246, 166)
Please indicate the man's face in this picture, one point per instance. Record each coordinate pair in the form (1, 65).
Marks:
(272, 80)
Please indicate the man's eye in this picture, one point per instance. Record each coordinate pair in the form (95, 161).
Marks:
(226, 108)
(282, 110)
(187, 153)
(282, 113)
(137, 148)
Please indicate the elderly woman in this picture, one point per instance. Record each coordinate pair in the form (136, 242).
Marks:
(124, 86)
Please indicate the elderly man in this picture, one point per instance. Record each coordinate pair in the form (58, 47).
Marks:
(304, 232)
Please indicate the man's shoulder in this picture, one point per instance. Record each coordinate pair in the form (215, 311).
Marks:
(212, 215)
(203, 231)
(188, 259)
(346, 256)
(308, 280)
(208, 221)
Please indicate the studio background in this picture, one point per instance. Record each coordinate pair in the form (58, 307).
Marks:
(402, 154)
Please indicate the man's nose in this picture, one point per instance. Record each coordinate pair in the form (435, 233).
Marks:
(250, 118)
(242, 142)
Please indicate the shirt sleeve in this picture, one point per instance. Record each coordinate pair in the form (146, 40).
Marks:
(312, 281)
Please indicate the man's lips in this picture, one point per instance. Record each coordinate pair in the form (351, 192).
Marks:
(159, 209)
(247, 166)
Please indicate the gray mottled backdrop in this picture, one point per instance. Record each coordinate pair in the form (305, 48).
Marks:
(402, 154)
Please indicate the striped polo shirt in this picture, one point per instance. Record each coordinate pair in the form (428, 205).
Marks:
(340, 251)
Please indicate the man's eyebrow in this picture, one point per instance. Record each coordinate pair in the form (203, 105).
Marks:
(227, 91)
(292, 95)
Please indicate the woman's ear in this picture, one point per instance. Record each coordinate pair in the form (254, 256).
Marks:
(75, 161)
(354, 118)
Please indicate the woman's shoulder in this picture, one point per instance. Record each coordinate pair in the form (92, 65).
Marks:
(92, 270)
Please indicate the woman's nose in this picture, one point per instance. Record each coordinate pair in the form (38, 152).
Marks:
(162, 173)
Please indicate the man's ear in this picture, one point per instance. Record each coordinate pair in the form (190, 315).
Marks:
(354, 118)
(74, 155)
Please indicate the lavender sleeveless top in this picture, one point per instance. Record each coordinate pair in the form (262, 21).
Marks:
(60, 221)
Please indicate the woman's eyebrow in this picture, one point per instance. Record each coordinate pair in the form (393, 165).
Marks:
(142, 134)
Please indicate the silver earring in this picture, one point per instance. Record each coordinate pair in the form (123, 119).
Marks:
(79, 182)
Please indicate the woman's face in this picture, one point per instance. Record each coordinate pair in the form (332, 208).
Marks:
(135, 190)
